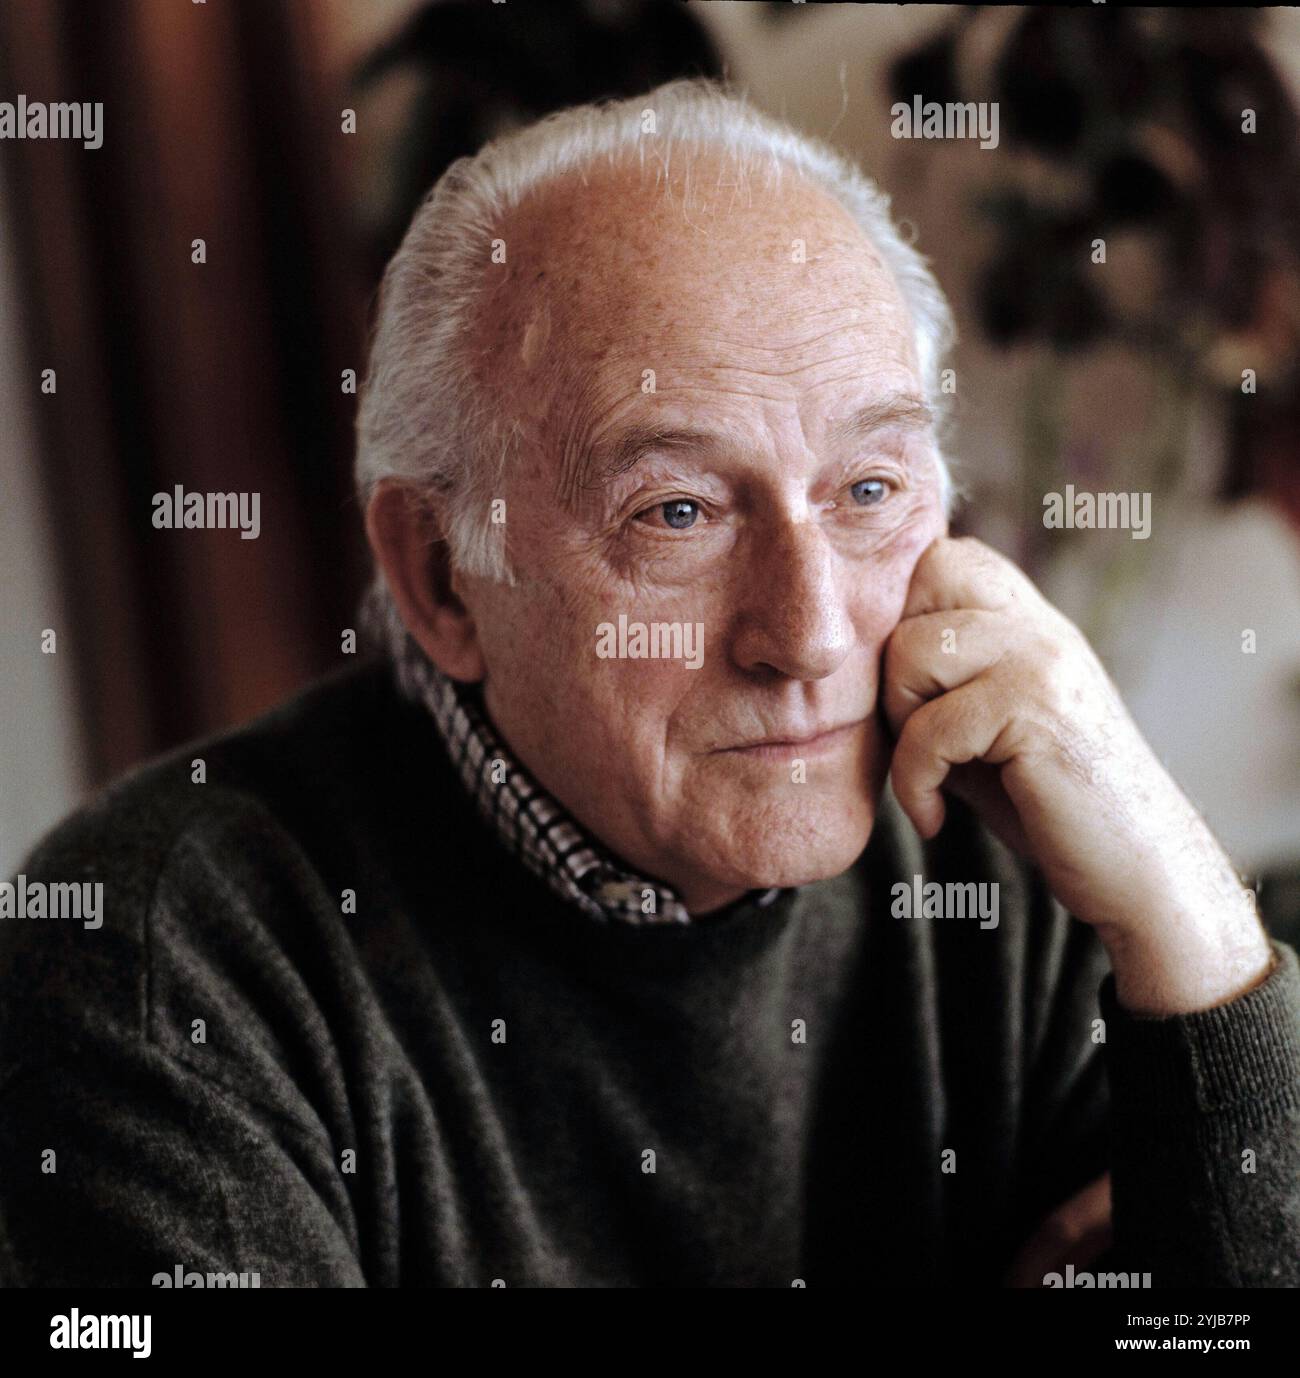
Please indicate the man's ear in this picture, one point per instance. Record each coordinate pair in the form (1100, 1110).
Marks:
(406, 535)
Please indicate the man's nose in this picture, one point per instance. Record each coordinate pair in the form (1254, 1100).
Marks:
(794, 616)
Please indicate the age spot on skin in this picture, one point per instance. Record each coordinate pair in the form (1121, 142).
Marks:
(536, 334)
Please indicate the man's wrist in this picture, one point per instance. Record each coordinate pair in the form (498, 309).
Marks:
(1189, 960)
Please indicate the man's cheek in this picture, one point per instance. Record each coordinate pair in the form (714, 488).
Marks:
(925, 526)
(882, 592)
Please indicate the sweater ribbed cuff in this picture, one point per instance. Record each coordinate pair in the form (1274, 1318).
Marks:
(1211, 1060)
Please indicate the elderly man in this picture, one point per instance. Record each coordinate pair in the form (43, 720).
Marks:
(726, 879)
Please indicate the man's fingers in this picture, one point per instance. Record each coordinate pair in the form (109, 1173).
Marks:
(1078, 1232)
(961, 725)
(961, 572)
(930, 654)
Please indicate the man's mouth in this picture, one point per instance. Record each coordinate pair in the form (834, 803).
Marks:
(792, 746)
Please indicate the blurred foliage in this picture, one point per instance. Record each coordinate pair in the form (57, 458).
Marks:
(1144, 108)
(1169, 135)
(477, 76)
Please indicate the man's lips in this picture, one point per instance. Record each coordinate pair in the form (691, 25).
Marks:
(789, 747)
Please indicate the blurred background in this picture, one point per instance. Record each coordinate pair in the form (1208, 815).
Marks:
(295, 137)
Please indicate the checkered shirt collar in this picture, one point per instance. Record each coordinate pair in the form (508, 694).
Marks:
(533, 825)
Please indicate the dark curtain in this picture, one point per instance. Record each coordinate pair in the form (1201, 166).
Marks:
(220, 377)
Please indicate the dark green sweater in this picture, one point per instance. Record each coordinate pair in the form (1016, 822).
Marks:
(505, 1070)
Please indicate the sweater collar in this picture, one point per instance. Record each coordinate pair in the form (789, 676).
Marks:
(530, 822)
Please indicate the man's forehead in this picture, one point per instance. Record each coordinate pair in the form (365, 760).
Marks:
(705, 325)
(615, 237)
(607, 304)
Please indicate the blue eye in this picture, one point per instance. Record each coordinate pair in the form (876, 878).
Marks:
(869, 491)
(680, 513)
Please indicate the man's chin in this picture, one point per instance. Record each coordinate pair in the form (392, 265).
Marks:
(808, 870)
(795, 856)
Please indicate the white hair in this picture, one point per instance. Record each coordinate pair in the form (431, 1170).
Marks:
(424, 420)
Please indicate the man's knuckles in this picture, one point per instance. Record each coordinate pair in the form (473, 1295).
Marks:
(957, 571)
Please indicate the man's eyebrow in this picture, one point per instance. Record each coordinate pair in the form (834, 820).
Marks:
(616, 455)
(899, 409)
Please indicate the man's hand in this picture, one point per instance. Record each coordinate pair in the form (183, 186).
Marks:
(1078, 1232)
(996, 696)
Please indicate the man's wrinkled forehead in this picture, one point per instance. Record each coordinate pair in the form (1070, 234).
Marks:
(619, 281)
